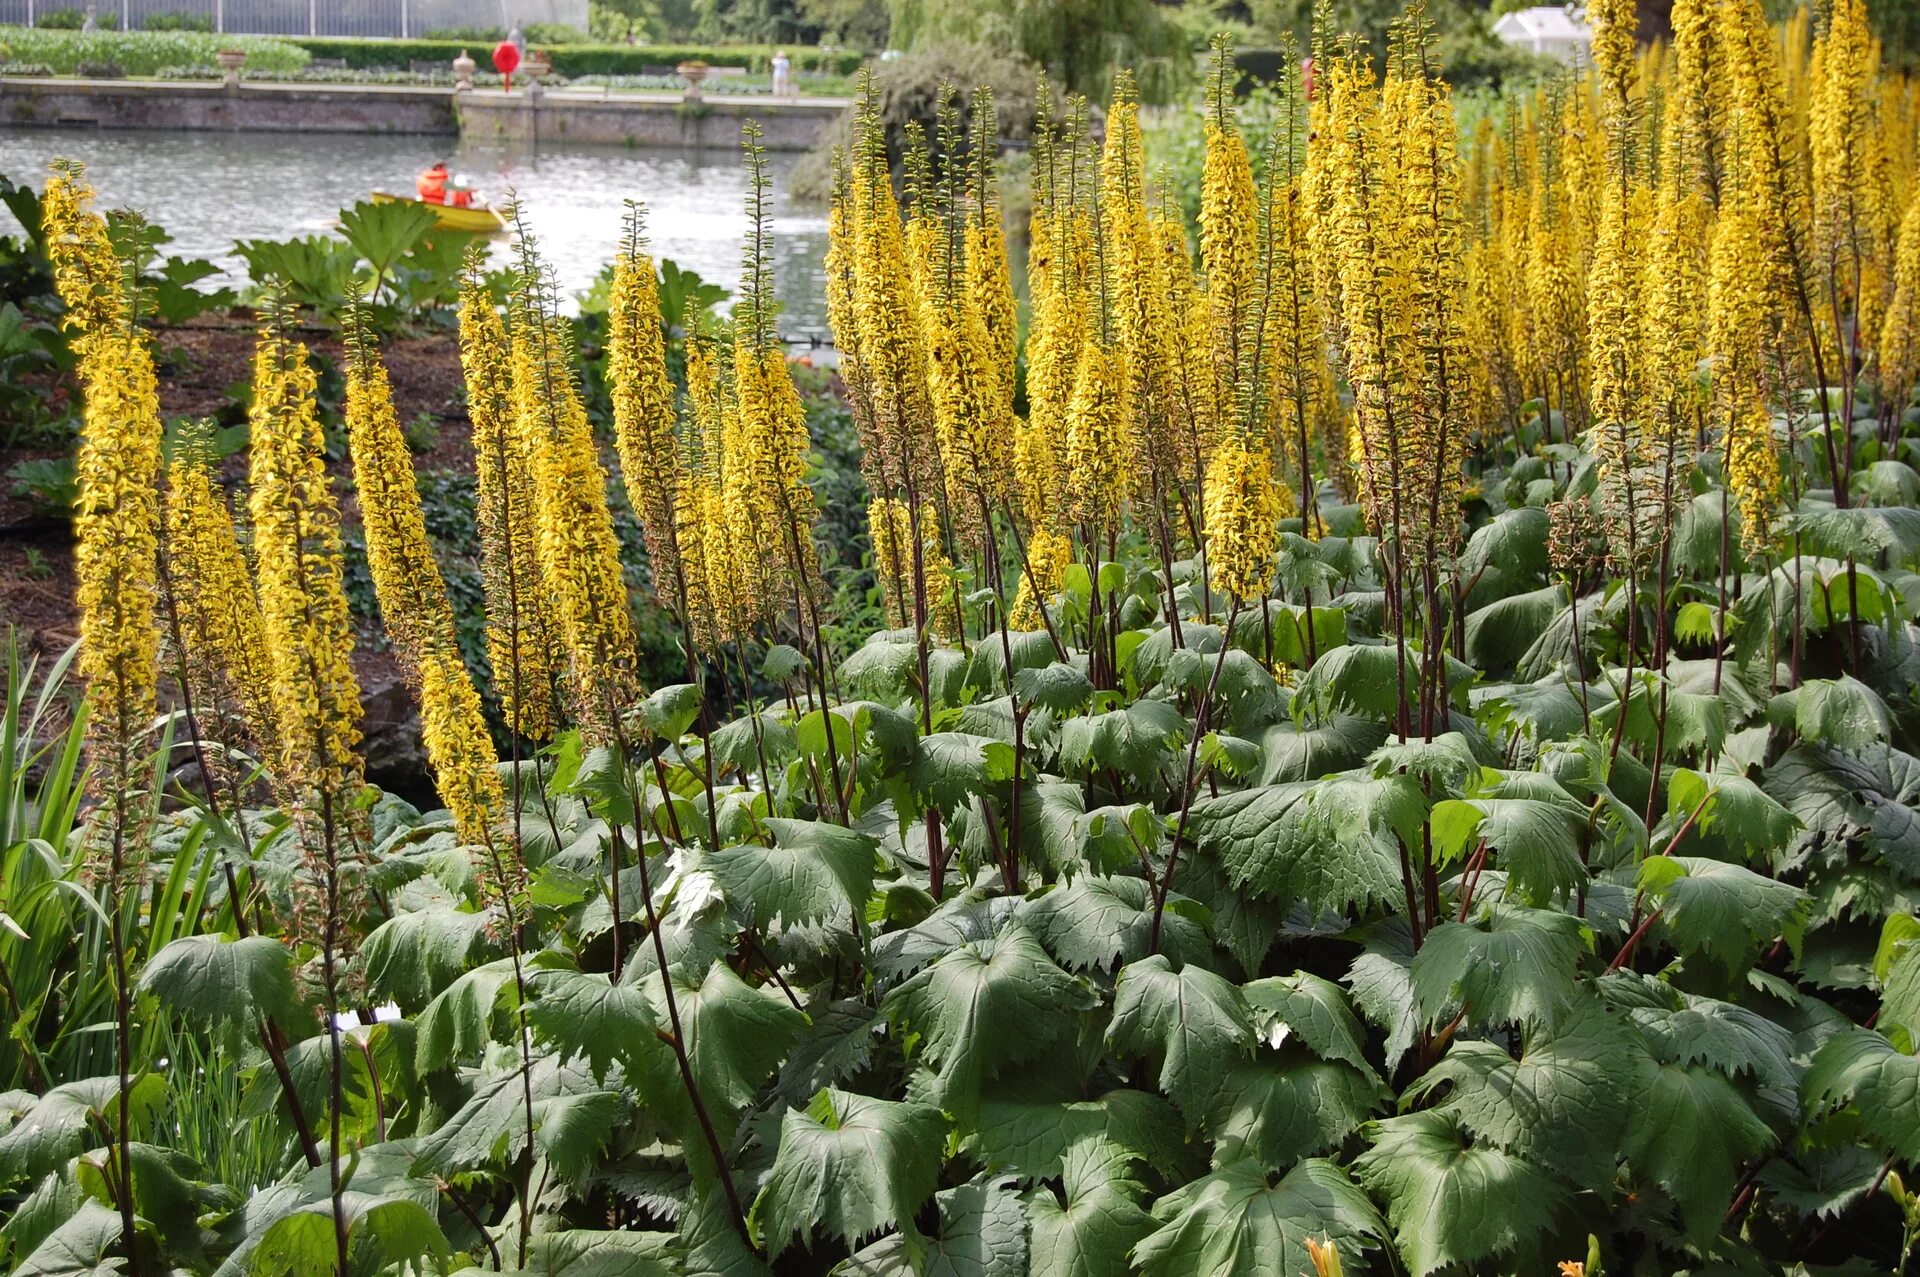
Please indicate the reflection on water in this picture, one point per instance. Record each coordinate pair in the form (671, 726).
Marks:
(209, 189)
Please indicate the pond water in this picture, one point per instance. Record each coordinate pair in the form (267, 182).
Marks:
(209, 189)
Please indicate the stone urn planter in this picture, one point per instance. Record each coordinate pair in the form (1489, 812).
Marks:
(695, 74)
(538, 66)
(231, 60)
(463, 69)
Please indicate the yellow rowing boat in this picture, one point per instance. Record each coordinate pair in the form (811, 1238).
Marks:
(477, 221)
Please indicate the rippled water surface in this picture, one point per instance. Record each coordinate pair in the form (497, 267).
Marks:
(209, 189)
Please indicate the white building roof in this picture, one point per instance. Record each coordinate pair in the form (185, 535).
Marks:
(1543, 22)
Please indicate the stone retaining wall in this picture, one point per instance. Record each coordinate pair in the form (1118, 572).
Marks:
(267, 108)
(576, 117)
(489, 115)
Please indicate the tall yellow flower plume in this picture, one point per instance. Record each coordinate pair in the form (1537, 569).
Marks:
(1057, 249)
(1189, 341)
(1375, 286)
(1049, 554)
(886, 318)
(766, 445)
(733, 551)
(989, 279)
(413, 596)
(1900, 334)
(1740, 304)
(841, 267)
(579, 554)
(523, 638)
(303, 601)
(1763, 165)
(1229, 232)
(1137, 293)
(1698, 108)
(643, 407)
(229, 669)
(1245, 504)
(972, 418)
(1853, 203)
(890, 528)
(1615, 296)
(117, 509)
(1098, 427)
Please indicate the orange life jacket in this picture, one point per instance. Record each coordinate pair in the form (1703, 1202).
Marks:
(432, 184)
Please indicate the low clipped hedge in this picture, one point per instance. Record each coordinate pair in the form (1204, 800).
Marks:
(145, 52)
(578, 59)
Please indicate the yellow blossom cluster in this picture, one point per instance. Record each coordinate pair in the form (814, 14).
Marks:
(117, 507)
(413, 595)
(229, 670)
(303, 601)
(523, 641)
(577, 550)
(915, 579)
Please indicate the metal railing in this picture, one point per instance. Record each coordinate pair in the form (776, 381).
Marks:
(388, 19)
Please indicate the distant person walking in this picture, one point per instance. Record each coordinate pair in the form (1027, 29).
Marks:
(517, 40)
(91, 22)
(782, 74)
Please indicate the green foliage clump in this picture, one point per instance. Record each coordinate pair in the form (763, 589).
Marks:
(144, 53)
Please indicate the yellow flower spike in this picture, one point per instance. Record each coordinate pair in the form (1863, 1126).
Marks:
(1853, 210)
(1229, 232)
(1613, 23)
(413, 595)
(1762, 170)
(1900, 333)
(1049, 554)
(989, 279)
(1739, 307)
(303, 601)
(1244, 506)
(890, 528)
(1136, 289)
(766, 449)
(229, 669)
(1375, 287)
(117, 508)
(1189, 341)
(1675, 289)
(886, 312)
(523, 639)
(579, 554)
(89, 277)
(643, 407)
(1098, 427)
(1697, 111)
(968, 390)
(841, 268)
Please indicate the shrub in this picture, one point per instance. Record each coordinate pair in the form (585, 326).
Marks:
(908, 87)
(176, 22)
(468, 35)
(146, 52)
(73, 19)
(554, 33)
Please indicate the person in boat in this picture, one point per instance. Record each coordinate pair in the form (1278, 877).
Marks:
(432, 183)
(461, 193)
